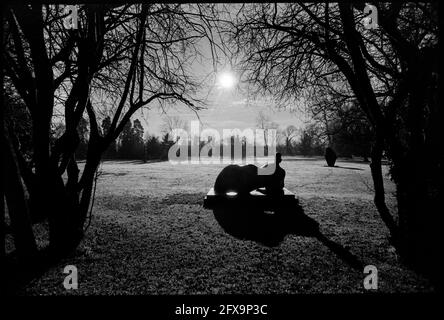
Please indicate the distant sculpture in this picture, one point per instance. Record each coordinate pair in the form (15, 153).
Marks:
(330, 157)
(244, 179)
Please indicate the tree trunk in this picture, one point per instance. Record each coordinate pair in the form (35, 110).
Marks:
(95, 150)
(418, 185)
(21, 226)
(2, 223)
(2, 227)
(419, 225)
(64, 231)
(378, 183)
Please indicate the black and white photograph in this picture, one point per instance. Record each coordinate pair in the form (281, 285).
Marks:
(221, 149)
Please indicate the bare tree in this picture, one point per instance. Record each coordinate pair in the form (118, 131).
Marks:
(290, 50)
(122, 58)
(173, 122)
(289, 134)
(265, 123)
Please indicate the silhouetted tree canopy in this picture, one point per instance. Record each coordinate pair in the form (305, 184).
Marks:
(320, 54)
(120, 59)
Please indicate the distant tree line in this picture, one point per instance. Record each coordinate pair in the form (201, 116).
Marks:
(131, 144)
(347, 141)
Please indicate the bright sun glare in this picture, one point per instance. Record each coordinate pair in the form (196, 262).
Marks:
(227, 80)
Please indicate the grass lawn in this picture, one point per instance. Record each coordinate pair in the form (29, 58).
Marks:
(149, 234)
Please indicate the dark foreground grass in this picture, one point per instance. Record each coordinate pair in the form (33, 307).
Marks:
(150, 235)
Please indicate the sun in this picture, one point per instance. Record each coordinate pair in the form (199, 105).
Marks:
(227, 80)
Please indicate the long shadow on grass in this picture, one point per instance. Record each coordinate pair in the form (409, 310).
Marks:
(348, 168)
(121, 161)
(246, 221)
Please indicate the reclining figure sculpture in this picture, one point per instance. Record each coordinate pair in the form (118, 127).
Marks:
(244, 179)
